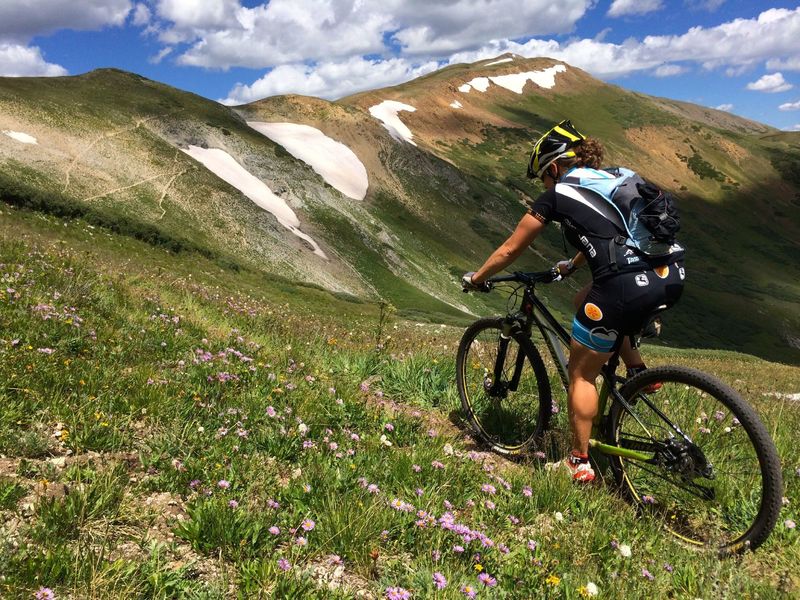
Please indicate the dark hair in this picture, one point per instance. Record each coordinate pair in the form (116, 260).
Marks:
(589, 153)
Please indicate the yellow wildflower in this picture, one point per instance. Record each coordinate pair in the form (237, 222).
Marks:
(553, 580)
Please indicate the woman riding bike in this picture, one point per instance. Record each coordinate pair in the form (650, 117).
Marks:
(627, 285)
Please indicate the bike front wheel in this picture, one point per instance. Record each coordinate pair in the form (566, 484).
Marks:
(503, 385)
(712, 471)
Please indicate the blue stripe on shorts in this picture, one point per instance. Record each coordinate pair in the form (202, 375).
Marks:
(596, 341)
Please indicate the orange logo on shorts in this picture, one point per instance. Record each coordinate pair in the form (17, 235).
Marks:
(662, 272)
(593, 312)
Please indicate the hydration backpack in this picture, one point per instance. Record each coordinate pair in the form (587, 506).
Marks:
(649, 215)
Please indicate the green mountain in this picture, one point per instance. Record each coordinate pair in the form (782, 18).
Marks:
(112, 149)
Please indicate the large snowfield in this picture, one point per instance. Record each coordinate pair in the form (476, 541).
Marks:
(335, 162)
(224, 166)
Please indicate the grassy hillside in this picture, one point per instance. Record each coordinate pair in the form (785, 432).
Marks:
(735, 180)
(170, 427)
(110, 153)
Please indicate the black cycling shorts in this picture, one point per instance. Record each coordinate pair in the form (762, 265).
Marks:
(620, 305)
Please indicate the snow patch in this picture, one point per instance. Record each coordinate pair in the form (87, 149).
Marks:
(479, 83)
(456, 104)
(386, 113)
(497, 62)
(224, 166)
(335, 162)
(20, 137)
(516, 81)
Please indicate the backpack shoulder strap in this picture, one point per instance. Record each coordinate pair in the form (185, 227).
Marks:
(594, 200)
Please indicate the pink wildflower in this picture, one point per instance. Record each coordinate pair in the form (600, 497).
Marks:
(397, 593)
(308, 525)
(439, 581)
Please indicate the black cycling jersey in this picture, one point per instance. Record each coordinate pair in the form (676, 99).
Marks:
(591, 225)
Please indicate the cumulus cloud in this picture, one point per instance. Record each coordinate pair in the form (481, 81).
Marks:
(20, 20)
(23, 61)
(330, 79)
(669, 70)
(736, 46)
(224, 33)
(621, 8)
(742, 42)
(725, 107)
(141, 15)
(793, 128)
(790, 106)
(789, 64)
(772, 83)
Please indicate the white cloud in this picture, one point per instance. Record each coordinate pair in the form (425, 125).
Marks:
(741, 42)
(23, 61)
(737, 45)
(224, 34)
(790, 64)
(20, 20)
(709, 5)
(621, 8)
(329, 80)
(189, 16)
(725, 107)
(669, 70)
(793, 128)
(770, 83)
(163, 53)
(141, 15)
(790, 106)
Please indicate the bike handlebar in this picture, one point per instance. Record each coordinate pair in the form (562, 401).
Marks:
(531, 278)
(548, 276)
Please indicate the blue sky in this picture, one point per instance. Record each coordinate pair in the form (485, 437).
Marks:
(736, 55)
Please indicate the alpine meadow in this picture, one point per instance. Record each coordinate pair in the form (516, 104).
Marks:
(228, 338)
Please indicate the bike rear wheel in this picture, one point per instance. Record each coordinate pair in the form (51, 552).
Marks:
(714, 475)
(510, 411)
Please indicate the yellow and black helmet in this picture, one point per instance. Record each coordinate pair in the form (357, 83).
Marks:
(556, 143)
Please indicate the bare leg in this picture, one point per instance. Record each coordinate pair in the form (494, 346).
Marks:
(584, 367)
(629, 355)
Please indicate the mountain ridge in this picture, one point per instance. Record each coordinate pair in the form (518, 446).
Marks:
(114, 142)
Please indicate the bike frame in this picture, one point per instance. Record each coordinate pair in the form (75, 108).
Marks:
(556, 339)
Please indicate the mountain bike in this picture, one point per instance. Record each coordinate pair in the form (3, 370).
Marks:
(693, 452)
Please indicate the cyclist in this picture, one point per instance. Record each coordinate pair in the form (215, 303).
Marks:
(627, 285)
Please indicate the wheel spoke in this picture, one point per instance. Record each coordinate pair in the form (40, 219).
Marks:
(507, 419)
(709, 482)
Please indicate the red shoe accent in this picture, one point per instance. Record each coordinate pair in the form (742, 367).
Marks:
(581, 472)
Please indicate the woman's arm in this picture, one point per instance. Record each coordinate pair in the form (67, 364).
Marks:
(527, 230)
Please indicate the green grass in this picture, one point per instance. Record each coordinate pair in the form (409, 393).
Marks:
(181, 375)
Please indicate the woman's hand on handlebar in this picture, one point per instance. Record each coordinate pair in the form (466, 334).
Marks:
(565, 268)
(469, 286)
